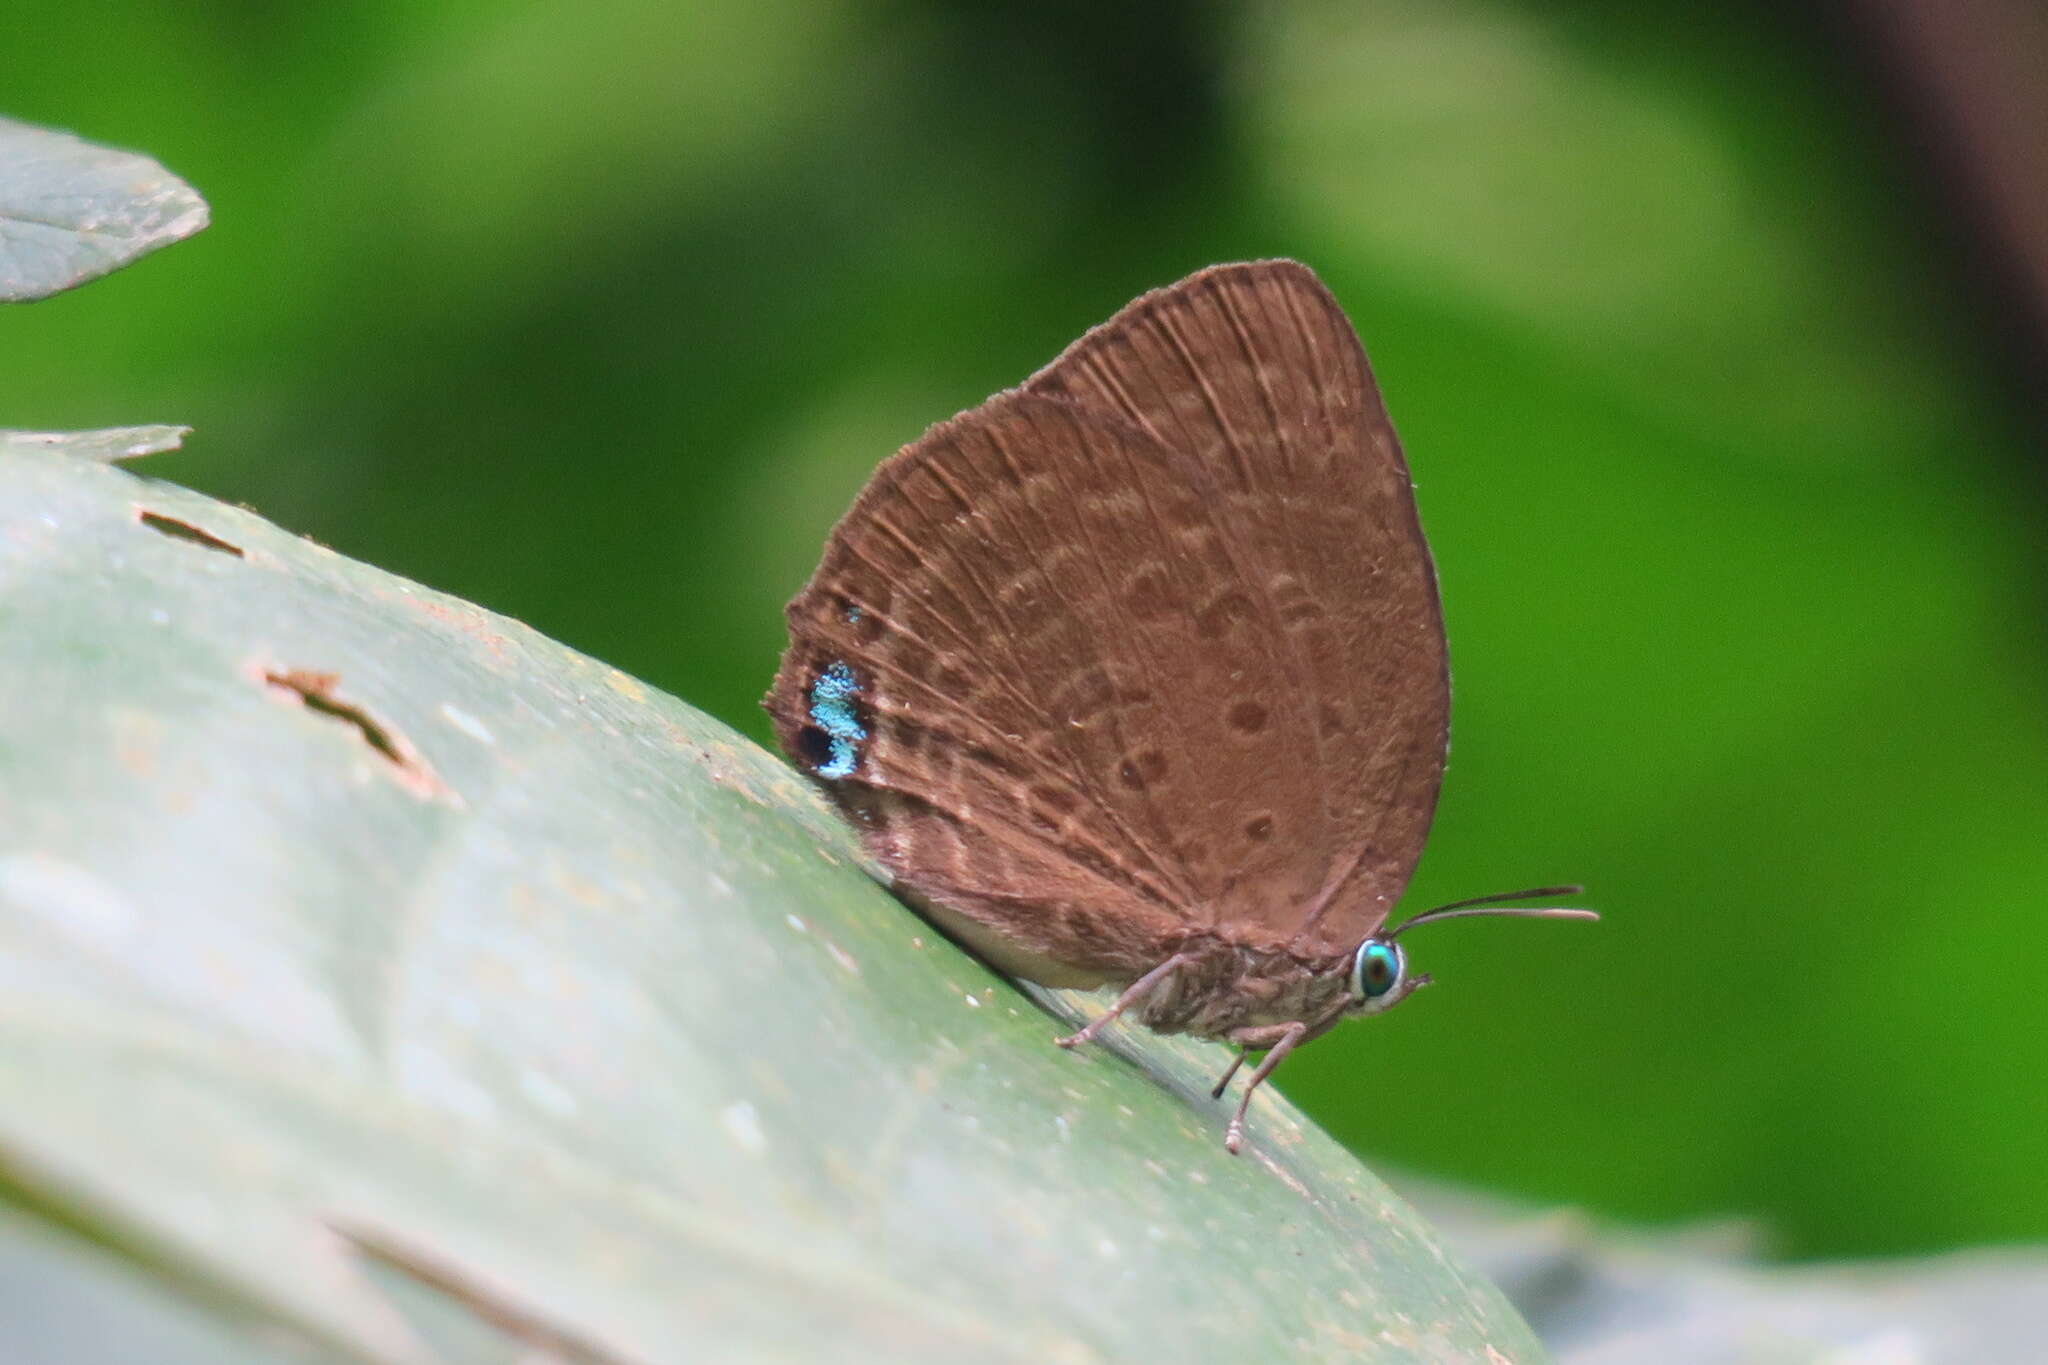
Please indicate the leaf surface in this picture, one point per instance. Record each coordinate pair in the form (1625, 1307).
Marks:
(412, 982)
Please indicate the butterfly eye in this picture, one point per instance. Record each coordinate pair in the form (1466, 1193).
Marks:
(1376, 970)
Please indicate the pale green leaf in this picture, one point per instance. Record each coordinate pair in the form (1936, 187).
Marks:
(416, 982)
(71, 211)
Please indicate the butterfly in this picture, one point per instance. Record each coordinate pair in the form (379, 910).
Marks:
(1135, 675)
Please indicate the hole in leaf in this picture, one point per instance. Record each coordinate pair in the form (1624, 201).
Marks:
(316, 691)
(185, 530)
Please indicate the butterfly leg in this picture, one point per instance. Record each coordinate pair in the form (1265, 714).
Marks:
(1279, 1040)
(1137, 991)
(1216, 1093)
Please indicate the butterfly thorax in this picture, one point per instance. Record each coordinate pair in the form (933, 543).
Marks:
(1230, 986)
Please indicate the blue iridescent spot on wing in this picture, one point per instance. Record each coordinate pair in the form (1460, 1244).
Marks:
(833, 695)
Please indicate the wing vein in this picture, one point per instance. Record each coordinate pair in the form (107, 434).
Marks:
(1076, 766)
(1161, 827)
(1241, 556)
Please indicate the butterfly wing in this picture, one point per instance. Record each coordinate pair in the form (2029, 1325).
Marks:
(953, 679)
(1254, 376)
(1148, 646)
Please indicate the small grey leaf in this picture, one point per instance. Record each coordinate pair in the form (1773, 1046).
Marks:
(71, 211)
(107, 445)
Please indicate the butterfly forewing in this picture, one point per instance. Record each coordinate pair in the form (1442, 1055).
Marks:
(1150, 645)
(1253, 373)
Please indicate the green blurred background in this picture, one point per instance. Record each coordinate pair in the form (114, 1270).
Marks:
(599, 313)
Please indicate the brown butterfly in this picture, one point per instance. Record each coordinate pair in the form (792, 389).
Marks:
(1135, 675)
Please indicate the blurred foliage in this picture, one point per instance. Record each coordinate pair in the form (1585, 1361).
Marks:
(598, 315)
(71, 211)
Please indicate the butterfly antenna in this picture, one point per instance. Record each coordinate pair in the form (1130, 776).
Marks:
(1491, 905)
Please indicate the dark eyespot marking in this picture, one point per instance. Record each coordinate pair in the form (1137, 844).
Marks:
(813, 747)
(1218, 618)
(1150, 594)
(1059, 798)
(992, 760)
(907, 735)
(1247, 717)
(1141, 770)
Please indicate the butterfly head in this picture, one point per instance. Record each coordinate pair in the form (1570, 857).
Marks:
(1379, 969)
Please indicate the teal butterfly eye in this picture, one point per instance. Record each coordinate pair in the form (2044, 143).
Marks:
(1376, 970)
